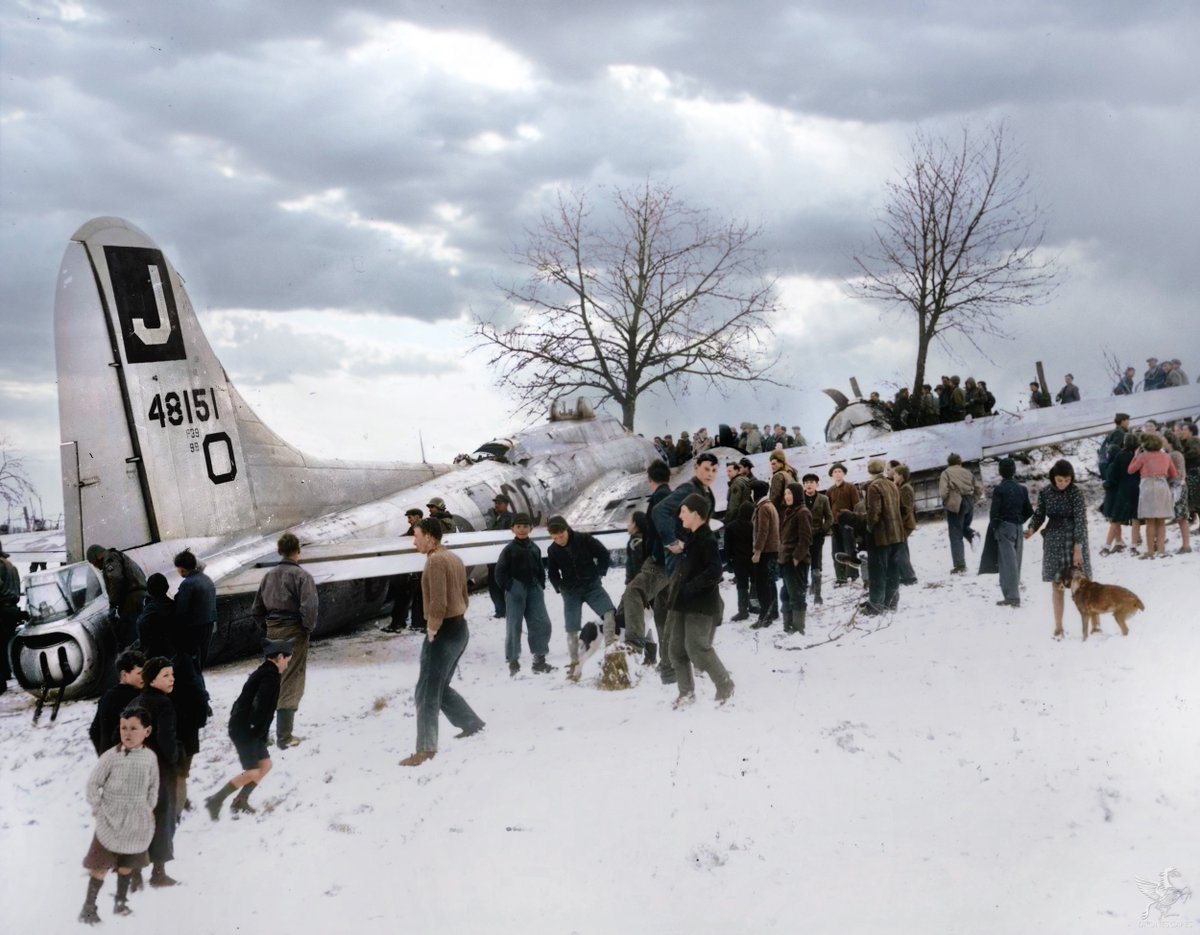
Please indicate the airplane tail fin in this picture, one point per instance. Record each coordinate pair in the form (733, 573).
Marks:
(151, 428)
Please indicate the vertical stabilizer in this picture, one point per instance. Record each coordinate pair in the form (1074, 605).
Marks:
(150, 438)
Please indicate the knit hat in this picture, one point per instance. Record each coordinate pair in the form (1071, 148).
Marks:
(522, 519)
(875, 466)
(555, 524)
(157, 585)
(778, 455)
(837, 467)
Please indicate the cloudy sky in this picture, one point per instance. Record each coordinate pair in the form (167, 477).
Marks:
(343, 185)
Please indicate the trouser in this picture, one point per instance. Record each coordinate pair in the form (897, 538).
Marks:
(495, 592)
(434, 696)
(593, 594)
(10, 619)
(765, 573)
(166, 812)
(691, 645)
(959, 526)
(884, 574)
(406, 600)
(816, 558)
(743, 580)
(291, 683)
(1009, 546)
(843, 539)
(795, 586)
(904, 567)
(646, 586)
(525, 602)
(201, 641)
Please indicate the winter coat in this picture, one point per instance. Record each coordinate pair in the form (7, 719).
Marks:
(578, 565)
(779, 482)
(1121, 489)
(1068, 394)
(739, 493)
(252, 712)
(795, 534)
(843, 496)
(766, 527)
(957, 482)
(1010, 503)
(105, 729)
(163, 740)
(121, 791)
(665, 514)
(287, 594)
(495, 520)
(653, 541)
(884, 522)
(196, 603)
(124, 583)
(695, 586)
(739, 541)
(156, 634)
(521, 560)
(822, 513)
(908, 508)
(190, 700)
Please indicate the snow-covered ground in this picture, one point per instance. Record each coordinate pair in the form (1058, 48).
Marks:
(948, 768)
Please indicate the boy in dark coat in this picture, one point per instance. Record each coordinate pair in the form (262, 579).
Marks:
(249, 722)
(575, 564)
(521, 577)
(105, 725)
(155, 625)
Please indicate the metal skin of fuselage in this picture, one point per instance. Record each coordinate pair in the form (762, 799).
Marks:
(161, 453)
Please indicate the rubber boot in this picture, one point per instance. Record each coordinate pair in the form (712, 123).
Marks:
(651, 656)
(816, 588)
(610, 628)
(798, 620)
(241, 802)
(573, 653)
(285, 721)
(120, 904)
(214, 802)
(88, 914)
(787, 620)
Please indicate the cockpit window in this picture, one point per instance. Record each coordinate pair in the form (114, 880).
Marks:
(63, 592)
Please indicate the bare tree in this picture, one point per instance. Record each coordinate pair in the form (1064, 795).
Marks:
(657, 294)
(15, 485)
(959, 243)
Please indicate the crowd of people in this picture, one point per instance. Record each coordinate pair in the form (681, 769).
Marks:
(750, 439)
(147, 725)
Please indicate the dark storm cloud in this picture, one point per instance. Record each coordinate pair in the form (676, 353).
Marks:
(281, 167)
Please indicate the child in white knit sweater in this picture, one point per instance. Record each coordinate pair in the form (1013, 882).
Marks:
(121, 791)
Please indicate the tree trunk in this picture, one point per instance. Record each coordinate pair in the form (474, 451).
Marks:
(628, 408)
(922, 354)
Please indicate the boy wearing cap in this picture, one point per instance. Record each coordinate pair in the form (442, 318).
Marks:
(842, 497)
(521, 577)
(249, 722)
(575, 564)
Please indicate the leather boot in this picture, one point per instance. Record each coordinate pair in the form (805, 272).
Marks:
(285, 721)
(88, 914)
(816, 588)
(798, 620)
(787, 621)
(651, 656)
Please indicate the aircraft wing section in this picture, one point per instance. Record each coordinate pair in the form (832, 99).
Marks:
(28, 547)
(379, 558)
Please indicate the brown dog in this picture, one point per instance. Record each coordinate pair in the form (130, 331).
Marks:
(1094, 599)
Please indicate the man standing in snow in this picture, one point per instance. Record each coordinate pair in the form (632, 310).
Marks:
(1011, 509)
